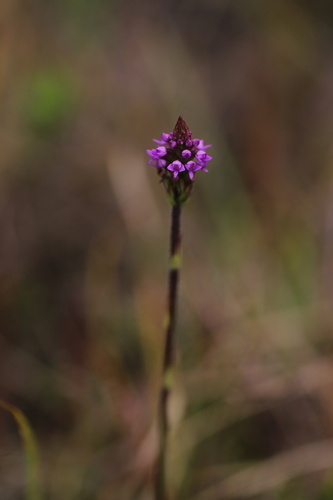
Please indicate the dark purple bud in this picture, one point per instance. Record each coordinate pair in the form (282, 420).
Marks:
(181, 131)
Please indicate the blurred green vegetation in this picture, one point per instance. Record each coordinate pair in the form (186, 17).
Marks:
(50, 101)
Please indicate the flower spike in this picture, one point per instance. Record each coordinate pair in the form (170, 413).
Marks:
(177, 158)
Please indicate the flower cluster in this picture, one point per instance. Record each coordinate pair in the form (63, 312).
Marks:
(179, 153)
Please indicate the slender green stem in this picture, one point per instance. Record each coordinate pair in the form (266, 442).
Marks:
(33, 484)
(169, 353)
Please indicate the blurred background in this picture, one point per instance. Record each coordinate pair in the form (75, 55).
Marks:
(85, 85)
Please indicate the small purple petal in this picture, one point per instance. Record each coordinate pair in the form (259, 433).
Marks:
(160, 163)
(186, 153)
(202, 156)
(201, 145)
(192, 167)
(175, 165)
(202, 164)
(189, 143)
(157, 153)
(173, 144)
(161, 143)
(161, 151)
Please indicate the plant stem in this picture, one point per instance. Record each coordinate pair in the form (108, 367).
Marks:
(169, 352)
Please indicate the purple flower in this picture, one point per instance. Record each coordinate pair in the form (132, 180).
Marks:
(157, 153)
(178, 157)
(192, 167)
(176, 167)
(203, 157)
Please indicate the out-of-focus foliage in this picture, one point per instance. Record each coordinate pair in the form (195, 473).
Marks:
(84, 87)
(30, 449)
(49, 101)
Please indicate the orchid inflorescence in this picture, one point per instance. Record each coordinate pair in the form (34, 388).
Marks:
(178, 152)
(177, 158)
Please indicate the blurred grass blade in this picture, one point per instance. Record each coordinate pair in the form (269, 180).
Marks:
(33, 490)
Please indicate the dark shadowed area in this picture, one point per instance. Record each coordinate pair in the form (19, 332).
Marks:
(85, 85)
